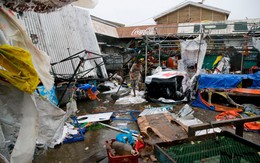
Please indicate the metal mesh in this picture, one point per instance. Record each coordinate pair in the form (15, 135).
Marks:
(222, 149)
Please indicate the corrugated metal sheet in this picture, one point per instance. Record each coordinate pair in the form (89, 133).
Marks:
(64, 33)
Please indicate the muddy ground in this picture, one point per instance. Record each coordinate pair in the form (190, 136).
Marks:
(92, 149)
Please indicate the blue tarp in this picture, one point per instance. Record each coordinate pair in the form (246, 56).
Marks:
(49, 94)
(222, 81)
(227, 81)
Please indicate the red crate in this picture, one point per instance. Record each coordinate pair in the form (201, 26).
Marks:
(122, 159)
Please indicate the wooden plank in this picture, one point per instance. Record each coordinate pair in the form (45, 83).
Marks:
(239, 123)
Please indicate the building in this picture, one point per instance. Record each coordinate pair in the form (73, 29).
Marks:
(188, 21)
(191, 12)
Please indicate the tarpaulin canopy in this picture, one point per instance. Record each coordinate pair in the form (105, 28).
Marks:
(226, 81)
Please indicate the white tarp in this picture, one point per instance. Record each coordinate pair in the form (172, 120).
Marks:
(27, 119)
(193, 52)
(130, 99)
(168, 75)
(256, 42)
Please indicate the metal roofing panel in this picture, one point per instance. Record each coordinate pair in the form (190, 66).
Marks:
(64, 33)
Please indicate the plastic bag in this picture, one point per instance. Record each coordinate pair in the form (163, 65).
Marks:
(125, 138)
(18, 68)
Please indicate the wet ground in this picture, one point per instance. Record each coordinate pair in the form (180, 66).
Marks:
(92, 149)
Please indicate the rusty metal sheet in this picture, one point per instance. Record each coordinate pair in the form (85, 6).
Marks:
(160, 128)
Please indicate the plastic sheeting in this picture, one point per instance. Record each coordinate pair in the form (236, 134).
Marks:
(169, 74)
(224, 81)
(26, 119)
(49, 94)
(51, 122)
(256, 42)
(19, 69)
(130, 99)
(16, 36)
(193, 52)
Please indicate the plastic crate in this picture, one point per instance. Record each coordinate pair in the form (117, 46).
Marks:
(123, 159)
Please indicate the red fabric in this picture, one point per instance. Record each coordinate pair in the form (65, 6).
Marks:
(139, 145)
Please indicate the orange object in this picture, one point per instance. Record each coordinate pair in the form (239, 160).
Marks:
(222, 108)
(230, 114)
(91, 95)
(255, 126)
(245, 90)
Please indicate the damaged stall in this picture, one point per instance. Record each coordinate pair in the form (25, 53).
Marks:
(170, 85)
(223, 89)
(23, 67)
(68, 37)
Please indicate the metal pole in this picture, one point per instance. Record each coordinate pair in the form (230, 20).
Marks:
(242, 63)
(80, 62)
(118, 129)
(160, 55)
(146, 51)
(73, 66)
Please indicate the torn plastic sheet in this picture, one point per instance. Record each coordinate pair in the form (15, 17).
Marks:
(170, 85)
(51, 122)
(256, 42)
(25, 144)
(130, 99)
(16, 36)
(21, 114)
(193, 52)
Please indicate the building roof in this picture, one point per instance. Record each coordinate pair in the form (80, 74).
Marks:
(105, 27)
(193, 4)
(107, 22)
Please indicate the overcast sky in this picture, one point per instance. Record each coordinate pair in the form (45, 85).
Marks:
(141, 12)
